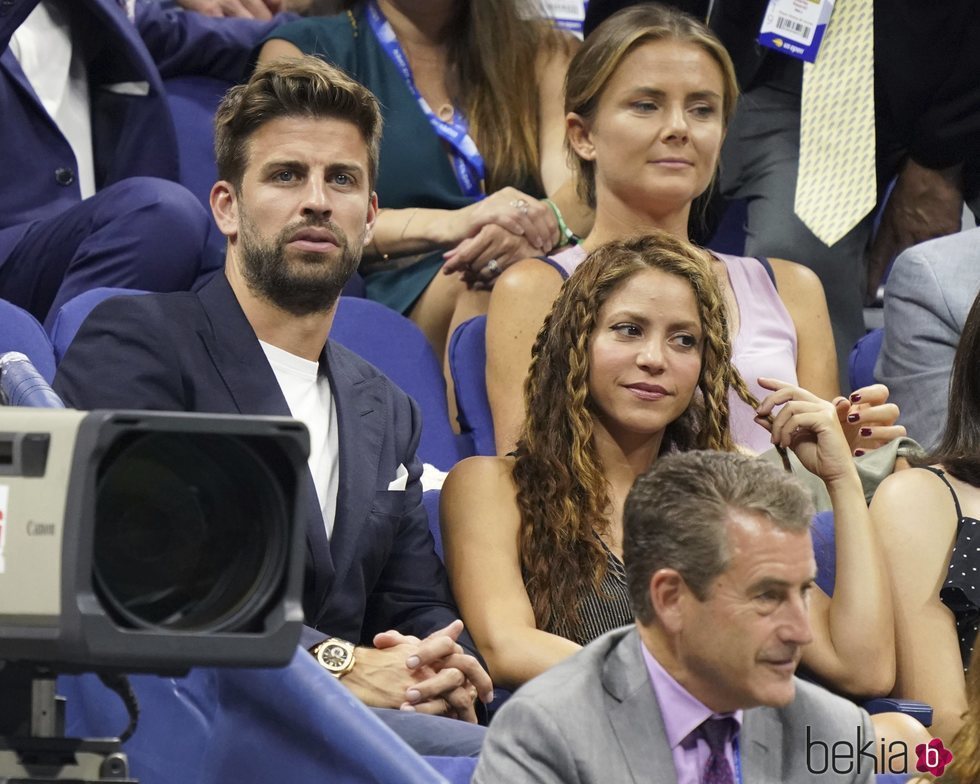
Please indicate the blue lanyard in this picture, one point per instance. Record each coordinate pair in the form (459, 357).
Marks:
(738, 761)
(467, 161)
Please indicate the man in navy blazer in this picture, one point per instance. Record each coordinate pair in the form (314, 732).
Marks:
(297, 153)
(139, 229)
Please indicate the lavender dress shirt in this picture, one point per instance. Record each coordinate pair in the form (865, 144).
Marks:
(683, 714)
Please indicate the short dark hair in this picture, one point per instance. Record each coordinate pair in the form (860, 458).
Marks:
(675, 516)
(303, 86)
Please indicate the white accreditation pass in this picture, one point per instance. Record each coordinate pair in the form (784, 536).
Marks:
(566, 14)
(796, 27)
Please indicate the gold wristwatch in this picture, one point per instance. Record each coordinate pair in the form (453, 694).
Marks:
(336, 656)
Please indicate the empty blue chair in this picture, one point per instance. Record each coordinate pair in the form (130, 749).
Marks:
(864, 355)
(468, 365)
(394, 344)
(193, 101)
(20, 331)
(291, 726)
(75, 311)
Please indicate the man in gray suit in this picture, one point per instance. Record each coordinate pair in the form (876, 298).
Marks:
(930, 291)
(719, 563)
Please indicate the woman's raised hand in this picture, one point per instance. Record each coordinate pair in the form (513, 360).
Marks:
(809, 426)
(868, 419)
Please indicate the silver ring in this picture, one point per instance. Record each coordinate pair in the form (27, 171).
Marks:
(521, 205)
(493, 266)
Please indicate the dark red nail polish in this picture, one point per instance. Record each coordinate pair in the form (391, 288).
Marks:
(865, 431)
(853, 417)
(858, 452)
(855, 398)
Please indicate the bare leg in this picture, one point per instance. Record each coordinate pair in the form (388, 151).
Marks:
(892, 727)
(433, 311)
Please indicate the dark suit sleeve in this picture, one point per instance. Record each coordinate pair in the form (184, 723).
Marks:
(927, 74)
(122, 357)
(12, 18)
(186, 43)
(412, 593)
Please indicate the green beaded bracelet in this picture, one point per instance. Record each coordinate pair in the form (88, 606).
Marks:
(568, 237)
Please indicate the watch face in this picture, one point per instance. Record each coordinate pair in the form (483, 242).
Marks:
(334, 656)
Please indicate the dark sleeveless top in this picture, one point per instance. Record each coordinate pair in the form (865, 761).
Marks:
(602, 610)
(960, 591)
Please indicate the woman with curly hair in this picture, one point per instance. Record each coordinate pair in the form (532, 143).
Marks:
(648, 99)
(634, 361)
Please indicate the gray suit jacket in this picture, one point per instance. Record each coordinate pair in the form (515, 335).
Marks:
(594, 719)
(929, 293)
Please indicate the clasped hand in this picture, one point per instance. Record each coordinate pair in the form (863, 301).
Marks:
(505, 227)
(434, 675)
(808, 425)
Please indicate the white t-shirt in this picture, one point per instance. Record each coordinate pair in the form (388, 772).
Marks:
(55, 69)
(310, 400)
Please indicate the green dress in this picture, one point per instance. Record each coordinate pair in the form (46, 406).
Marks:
(414, 167)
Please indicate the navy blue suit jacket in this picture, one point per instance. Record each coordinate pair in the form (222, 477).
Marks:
(132, 131)
(197, 352)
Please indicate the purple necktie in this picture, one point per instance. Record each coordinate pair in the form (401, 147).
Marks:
(717, 733)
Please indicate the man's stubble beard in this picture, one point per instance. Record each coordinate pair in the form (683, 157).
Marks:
(304, 283)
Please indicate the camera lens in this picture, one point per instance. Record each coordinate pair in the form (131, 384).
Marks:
(191, 532)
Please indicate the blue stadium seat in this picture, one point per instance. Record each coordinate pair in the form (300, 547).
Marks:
(430, 500)
(290, 726)
(193, 101)
(75, 311)
(396, 346)
(20, 331)
(864, 355)
(468, 363)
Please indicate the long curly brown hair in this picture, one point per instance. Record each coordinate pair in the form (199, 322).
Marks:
(562, 491)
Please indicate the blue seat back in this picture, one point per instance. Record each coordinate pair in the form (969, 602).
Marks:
(193, 101)
(430, 500)
(394, 344)
(864, 355)
(20, 331)
(822, 530)
(292, 726)
(75, 311)
(468, 365)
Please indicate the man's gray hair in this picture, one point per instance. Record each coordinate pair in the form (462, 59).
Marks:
(675, 517)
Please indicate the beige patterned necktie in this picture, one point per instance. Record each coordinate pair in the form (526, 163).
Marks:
(836, 185)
